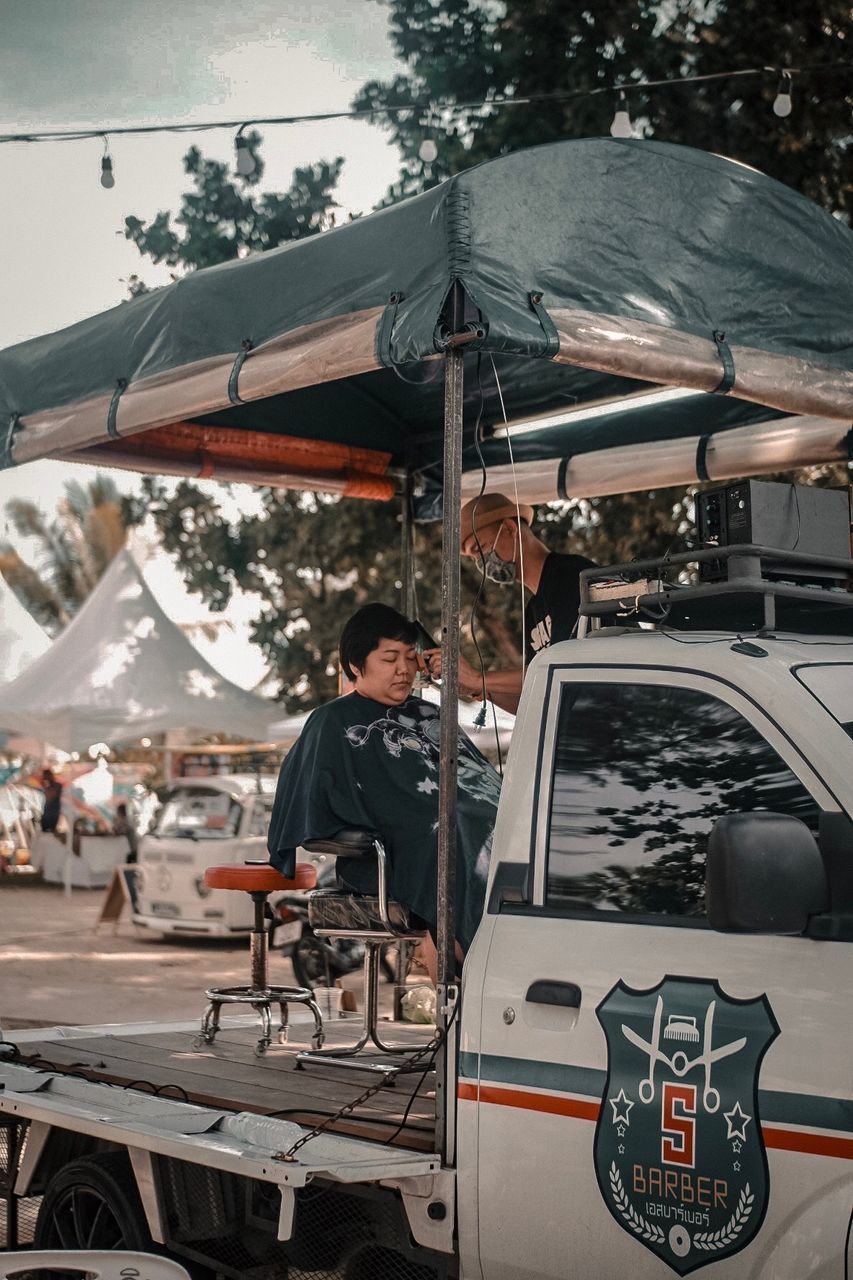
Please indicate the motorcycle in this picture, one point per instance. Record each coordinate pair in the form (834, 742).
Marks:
(319, 962)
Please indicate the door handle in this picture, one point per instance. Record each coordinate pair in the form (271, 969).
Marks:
(549, 991)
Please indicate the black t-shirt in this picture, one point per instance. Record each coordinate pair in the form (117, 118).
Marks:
(550, 615)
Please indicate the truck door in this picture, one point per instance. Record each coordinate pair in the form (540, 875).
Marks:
(651, 1096)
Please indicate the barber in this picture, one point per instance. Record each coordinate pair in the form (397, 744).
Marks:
(496, 532)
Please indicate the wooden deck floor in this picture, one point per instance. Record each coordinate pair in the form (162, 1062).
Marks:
(227, 1076)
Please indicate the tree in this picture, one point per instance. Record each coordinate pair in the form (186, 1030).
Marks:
(315, 559)
(75, 548)
(223, 218)
(555, 52)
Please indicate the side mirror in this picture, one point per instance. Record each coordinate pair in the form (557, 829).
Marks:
(764, 874)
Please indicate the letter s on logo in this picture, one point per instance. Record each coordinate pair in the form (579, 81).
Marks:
(678, 1128)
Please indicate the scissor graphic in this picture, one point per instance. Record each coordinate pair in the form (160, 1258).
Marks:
(679, 1064)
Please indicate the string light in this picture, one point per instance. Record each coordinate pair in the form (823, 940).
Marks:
(782, 104)
(246, 164)
(620, 125)
(107, 177)
(428, 151)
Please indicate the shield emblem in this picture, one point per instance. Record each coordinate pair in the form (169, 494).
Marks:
(679, 1153)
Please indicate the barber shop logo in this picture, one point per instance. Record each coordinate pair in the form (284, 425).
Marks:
(679, 1153)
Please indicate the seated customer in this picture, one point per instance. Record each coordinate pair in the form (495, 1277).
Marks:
(370, 760)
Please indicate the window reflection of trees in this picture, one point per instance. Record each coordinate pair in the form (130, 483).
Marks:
(642, 774)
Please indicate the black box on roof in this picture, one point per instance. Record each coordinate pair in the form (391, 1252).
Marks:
(766, 513)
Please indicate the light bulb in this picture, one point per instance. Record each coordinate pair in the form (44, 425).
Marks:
(620, 126)
(782, 104)
(428, 151)
(245, 160)
(107, 176)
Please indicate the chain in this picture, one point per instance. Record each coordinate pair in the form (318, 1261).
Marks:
(289, 1156)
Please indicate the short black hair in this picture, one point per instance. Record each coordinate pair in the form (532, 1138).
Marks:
(367, 626)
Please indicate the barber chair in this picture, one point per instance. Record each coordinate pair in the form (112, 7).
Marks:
(259, 880)
(373, 918)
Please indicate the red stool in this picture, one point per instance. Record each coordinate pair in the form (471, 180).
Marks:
(259, 880)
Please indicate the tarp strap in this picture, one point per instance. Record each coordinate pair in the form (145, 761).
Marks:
(552, 338)
(386, 329)
(702, 457)
(112, 414)
(234, 377)
(562, 472)
(725, 353)
(14, 423)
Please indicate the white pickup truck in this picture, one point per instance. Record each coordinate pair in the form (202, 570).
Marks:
(653, 1071)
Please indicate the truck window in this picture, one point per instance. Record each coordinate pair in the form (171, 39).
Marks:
(832, 684)
(199, 813)
(641, 774)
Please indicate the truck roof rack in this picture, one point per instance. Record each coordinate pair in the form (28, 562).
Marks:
(738, 588)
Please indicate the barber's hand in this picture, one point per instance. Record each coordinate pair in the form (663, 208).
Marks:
(470, 680)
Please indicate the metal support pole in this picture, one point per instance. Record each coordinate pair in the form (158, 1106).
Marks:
(407, 551)
(407, 607)
(447, 993)
(258, 944)
(450, 553)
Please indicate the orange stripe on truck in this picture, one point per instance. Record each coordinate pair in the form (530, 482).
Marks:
(816, 1144)
(552, 1104)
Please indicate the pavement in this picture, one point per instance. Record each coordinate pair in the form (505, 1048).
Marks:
(58, 967)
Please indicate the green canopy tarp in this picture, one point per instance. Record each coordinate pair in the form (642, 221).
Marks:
(593, 271)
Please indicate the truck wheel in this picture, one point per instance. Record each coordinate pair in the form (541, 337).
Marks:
(93, 1203)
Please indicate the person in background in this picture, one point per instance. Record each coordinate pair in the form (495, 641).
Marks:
(124, 826)
(497, 533)
(52, 788)
(370, 760)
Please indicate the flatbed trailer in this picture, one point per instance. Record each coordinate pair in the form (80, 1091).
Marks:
(208, 1134)
(160, 1060)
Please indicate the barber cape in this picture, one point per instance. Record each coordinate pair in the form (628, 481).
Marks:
(361, 764)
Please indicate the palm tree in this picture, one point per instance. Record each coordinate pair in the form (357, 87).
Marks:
(74, 548)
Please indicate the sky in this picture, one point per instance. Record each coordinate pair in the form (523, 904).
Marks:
(103, 63)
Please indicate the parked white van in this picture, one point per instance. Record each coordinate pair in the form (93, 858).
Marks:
(203, 822)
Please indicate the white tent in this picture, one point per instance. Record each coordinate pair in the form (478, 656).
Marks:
(121, 670)
(21, 638)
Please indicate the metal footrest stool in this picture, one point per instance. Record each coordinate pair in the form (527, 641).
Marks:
(259, 880)
(342, 913)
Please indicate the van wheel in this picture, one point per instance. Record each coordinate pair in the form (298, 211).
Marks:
(93, 1203)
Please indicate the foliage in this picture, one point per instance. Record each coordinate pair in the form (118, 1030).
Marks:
(466, 51)
(223, 218)
(315, 559)
(74, 549)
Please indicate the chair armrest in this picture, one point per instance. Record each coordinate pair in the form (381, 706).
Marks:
(350, 842)
(354, 842)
